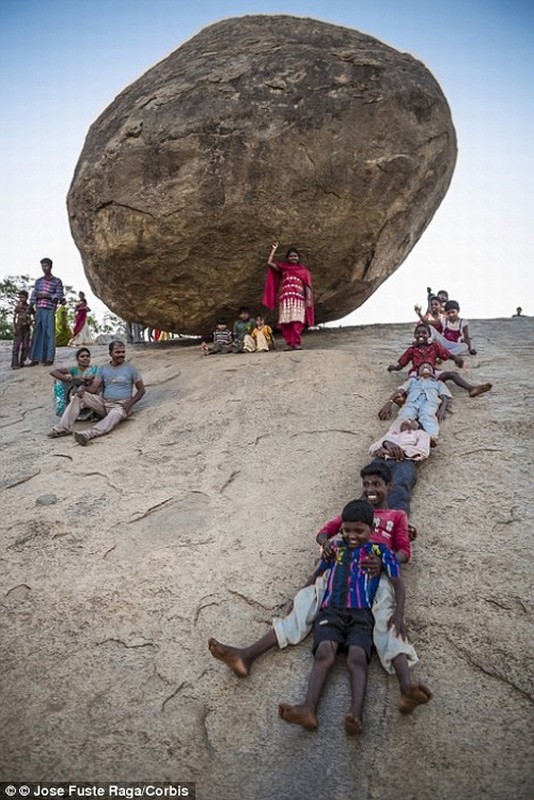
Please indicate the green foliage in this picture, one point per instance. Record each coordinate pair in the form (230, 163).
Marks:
(9, 295)
(9, 291)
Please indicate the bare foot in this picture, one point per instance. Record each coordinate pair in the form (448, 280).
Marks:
(417, 695)
(300, 715)
(353, 726)
(232, 657)
(412, 533)
(480, 389)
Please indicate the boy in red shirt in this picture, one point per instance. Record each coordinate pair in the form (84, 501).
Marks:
(423, 351)
(395, 653)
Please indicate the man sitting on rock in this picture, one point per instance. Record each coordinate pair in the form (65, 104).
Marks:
(117, 381)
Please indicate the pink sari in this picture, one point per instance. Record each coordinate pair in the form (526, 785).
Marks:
(79, 319)
(272, 284)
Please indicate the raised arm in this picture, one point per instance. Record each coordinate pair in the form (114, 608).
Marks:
(270, 261)
(418, 311)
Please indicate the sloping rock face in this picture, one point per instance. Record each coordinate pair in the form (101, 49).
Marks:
(259, 128)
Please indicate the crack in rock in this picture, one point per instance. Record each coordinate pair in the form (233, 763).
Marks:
(150, 510)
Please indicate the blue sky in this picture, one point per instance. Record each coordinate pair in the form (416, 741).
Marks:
(63, 61)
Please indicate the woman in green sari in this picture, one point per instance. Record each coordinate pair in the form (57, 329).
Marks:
(63, 329)
(69, 379)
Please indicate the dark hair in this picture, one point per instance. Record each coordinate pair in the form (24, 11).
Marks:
(222, 321)
(24, 292)
(244, 308)
(113, 344)
(46, 261)
(358, 511)
(292, 250)
(442, 291)
(452, 305)
(377, 468)
(428, 364)
(433, 297)
(83, 350)
(421, 325)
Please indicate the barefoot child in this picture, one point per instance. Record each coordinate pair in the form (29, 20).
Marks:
(222, 340)
(424, 351)
(345, 619)
(263, 336)
(396, 654)
(390, 528)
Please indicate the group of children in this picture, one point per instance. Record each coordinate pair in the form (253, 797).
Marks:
(247, 336)
(355, 598)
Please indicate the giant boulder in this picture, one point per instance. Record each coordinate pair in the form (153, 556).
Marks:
(259, 128)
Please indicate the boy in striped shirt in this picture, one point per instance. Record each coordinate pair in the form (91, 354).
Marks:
(345, 618)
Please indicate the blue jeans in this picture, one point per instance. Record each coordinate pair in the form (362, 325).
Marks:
(404, 478)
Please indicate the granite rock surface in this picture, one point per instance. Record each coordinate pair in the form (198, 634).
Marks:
(259, 128)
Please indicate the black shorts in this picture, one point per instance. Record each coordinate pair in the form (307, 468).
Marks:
(349, 627)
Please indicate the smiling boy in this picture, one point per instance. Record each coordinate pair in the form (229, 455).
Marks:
(390, 528)
(345, 619)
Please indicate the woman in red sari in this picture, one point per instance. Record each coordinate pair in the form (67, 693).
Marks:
(291, 281)
(80, 318)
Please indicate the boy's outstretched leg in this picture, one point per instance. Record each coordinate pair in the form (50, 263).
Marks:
(357, 667)
(473, 390)
(412, 694)
(240, 659)
(305, 713)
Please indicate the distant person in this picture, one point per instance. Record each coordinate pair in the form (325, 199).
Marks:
(82, 332)
(443, 297)
(222, 339)
(518, 312)
(242, 332)
(63, 329)
(292, 282)
(46, 294)
(263, 336)
(22, 327)
(117, 382)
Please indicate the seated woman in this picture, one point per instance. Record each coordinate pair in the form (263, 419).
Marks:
(71, 378)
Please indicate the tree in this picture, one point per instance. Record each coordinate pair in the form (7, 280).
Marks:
(9, 295)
